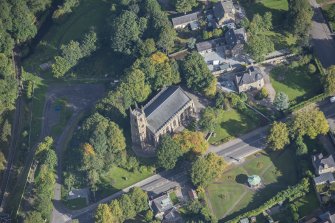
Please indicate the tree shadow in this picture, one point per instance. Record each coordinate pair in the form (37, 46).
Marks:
(241, 179)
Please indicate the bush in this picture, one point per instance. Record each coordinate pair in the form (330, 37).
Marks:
(311, 68)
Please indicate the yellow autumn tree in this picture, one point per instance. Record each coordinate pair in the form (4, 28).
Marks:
(191, 141)
(88, 149)
(159, 57)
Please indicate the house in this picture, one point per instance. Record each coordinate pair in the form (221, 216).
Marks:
(324, 178)
(172, 216)
(326, 217)
(224, 12)
(161, 206)
(168, 110)
(252, 79)
(323, 164)
(235, 40)
(209, 46)
(189, 19)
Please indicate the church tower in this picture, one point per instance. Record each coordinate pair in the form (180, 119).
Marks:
(138, 124)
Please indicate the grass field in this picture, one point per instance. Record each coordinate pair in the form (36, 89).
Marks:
(229, 195)
(297, 83)
(232, 124)
(117, 178)
(278, 8)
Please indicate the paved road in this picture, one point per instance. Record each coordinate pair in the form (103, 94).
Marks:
(322, 41)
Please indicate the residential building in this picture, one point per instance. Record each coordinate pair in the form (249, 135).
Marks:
(170, 109)
(235, 40)
(210, 45)
(252, 79)
(323, 164)
(324, 178)
(189, 19)
(161, 205)
(224, 12)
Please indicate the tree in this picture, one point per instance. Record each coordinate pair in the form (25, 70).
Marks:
(147, 47)
(209, 119)
(191, 141)
(278, 137)
(281, 101)
(103, 214)
(149, 215)
(139, 198)
(168, 153)
(65, 8)
(33, 217)
(125, 31)
(2, 161)
(127, 206)
(116, 211)
(329, 81)
(300, 17)
(185, 5)
(205, 169)
(89, 43)
(6, 131)
(259, 46)
(197, 75)
(311, 68)
(309, 121)
(166, 39)
(301, 147)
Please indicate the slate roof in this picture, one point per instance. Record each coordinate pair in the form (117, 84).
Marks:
(185, 19)
(230, 37)
(162, 203)
(240, 34)
(211, 44)
(321, 162)
(164, 106)
(324, 178)
(251, 76)
(222, 7)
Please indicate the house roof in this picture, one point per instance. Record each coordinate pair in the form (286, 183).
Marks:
(162, 203)
(230, 37)
(222, 7)
(251, 76)
(241, 35)
(321, 162)
(164, 106)
(254, 180)
(324, 178)
(210, 44)
(185, 19)
(327, 217)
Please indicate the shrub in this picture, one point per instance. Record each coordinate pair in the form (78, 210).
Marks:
(311, 68)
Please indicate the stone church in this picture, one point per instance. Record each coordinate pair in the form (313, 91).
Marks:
(165, 113)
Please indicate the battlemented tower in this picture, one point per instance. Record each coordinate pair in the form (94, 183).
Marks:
(138, 124)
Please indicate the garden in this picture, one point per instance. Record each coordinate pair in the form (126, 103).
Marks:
(229, 196)
(296, 82)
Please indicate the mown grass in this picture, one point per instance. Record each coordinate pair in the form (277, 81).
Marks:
(232, 124)
(230, 196)
(297, 83)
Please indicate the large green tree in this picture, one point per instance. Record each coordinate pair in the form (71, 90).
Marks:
(278, 137)
(309, 121)
(329, 81)
(168, 152)
(206, 169)
(185, 5)
(281, 101)
(300, 17)
(197, 75)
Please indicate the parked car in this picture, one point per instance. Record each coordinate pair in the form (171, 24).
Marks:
(332, 99)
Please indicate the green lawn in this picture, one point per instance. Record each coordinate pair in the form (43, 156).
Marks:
(232, 124)
(117, 178)
(297, 83)
(278, 8)
(229, 195)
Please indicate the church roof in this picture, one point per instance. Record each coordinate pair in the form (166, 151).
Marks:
(164, 106)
